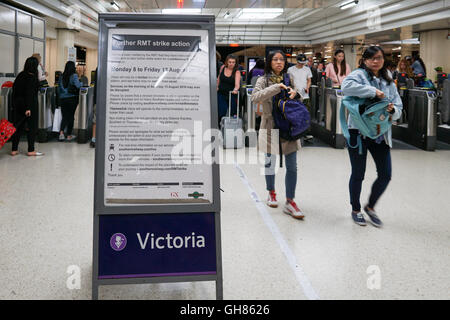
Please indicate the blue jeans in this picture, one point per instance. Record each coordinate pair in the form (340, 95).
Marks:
(291, 173)
(381, 154)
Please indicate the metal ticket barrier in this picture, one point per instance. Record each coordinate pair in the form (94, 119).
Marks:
(45, 122)
(314, 102)
(324, 83)
(420, 129)
(403, 93)
(326, 125)
(251, 136)
(443, 129)
(6, 104)
(83, 119)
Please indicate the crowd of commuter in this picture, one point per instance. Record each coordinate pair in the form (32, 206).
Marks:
(373, 79)
(25, 101)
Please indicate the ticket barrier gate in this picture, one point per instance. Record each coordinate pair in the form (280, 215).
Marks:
(443, 129)
(314, 102)
(6, 104)
(84, 114)
(420, 128)
(325, 122)
(45, 122)
(403, 93)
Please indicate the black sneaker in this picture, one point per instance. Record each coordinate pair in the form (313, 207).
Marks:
(373, 217)
(92, 144)
(358, 218)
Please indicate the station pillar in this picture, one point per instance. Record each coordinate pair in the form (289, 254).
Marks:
(66, 40)
(434, 49)
(351, 55)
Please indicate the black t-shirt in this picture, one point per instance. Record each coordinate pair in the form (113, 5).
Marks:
(226, 84)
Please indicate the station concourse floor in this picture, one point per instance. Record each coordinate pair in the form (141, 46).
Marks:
(46, 222)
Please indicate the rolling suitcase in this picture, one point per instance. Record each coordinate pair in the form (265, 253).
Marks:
(232, 129)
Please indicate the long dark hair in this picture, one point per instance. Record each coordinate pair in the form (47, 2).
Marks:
(69, 70)
(259, 64)
(368, 54)
(230, 56)
(343, 63)
(31, 66)
(418, 58)
(268, 67)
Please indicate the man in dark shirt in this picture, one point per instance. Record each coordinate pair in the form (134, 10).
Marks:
(315, 76)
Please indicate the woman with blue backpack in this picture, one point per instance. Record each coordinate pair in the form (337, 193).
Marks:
(69, 86)
(266, 88)
(372, 84)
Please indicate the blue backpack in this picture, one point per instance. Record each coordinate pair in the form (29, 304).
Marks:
(290, 116)
(372, 121)
(426, 83)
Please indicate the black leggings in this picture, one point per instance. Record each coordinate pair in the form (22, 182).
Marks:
(68, 108)
(381, 154)
(30, 126)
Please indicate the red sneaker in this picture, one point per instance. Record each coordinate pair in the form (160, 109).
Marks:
(291, 208)
(272, 199)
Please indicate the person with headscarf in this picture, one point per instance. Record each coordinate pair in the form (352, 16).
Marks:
(25, 106)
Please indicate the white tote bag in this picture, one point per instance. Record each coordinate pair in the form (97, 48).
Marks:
(57, 118)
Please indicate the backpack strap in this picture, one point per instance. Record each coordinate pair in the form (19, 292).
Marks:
(346, 133)
(286, 79)
(281, 150)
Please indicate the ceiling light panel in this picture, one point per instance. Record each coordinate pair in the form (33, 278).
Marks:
(181, 11)
(260, 14)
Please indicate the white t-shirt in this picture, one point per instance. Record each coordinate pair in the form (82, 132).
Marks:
(301, 77)
(41, 73)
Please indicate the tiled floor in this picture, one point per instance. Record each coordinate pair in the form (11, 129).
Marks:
(46, 226)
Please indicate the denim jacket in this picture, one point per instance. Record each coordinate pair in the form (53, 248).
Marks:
(64, 92)
(357, 84)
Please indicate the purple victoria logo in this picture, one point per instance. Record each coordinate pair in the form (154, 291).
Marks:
(118, 242)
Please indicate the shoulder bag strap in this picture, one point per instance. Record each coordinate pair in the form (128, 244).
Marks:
(345, 132)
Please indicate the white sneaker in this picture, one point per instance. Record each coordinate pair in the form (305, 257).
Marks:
(272, 200)
(291, 208)
(61, 137)
(71, 138)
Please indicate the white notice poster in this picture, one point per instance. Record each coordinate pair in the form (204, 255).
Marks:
(158, 112)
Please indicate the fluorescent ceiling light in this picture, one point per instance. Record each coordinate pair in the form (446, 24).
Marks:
(407, 41)
(181, 11)
(348, 4)
(265, 13)
(115, 5)
(308, 53)
(227, 15)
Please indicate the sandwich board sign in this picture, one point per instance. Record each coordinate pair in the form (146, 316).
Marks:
(157, 194)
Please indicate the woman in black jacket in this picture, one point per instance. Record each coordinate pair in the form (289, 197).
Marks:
(25, 106)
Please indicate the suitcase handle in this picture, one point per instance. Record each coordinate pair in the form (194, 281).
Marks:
(229, 104)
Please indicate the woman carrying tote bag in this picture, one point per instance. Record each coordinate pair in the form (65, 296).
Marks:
(371, 80)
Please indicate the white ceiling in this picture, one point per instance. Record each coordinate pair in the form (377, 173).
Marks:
(302, 22)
